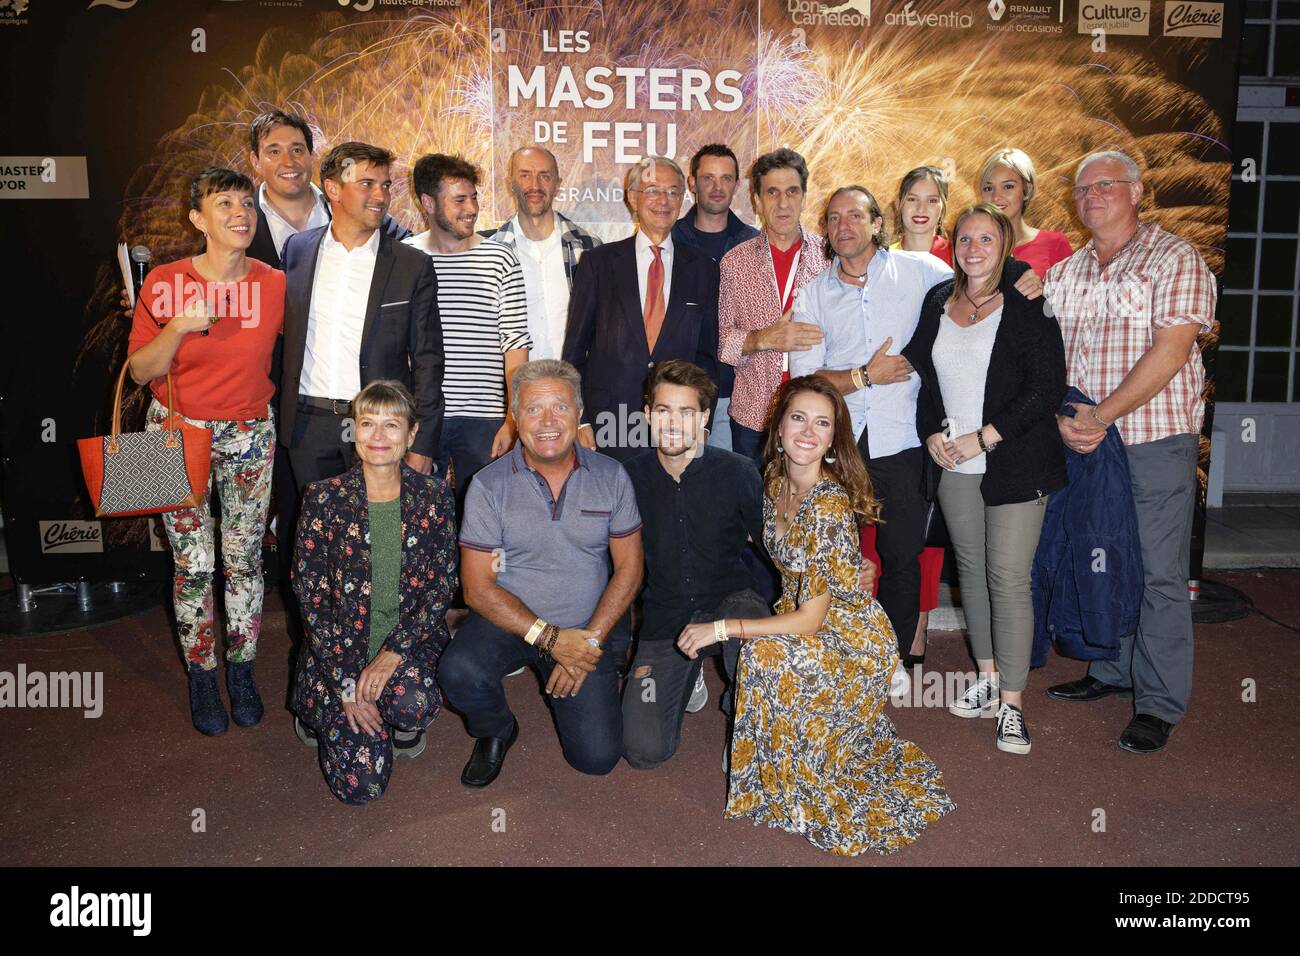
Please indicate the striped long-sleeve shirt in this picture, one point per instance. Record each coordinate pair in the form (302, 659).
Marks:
(484, 315)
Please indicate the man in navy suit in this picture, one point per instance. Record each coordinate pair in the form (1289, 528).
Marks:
(636, 302)
(280, 151)
(358, 307)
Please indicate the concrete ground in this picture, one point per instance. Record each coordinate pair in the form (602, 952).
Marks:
(1253, 531)
(139, 786)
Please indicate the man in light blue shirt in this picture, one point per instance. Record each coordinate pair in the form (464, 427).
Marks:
(867, 305)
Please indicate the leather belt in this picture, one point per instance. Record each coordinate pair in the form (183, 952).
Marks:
(336, 406)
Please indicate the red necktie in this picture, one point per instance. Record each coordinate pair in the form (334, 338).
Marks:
(654, 300)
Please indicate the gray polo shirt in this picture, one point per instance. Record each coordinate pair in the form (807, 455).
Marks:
(554, 553)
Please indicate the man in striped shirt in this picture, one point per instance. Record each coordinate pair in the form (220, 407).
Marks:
(1131, 304)
(484, 316)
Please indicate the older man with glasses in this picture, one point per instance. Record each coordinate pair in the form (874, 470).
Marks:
(638, 302)
(1131, 304)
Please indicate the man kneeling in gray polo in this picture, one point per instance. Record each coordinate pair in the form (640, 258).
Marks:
(541, 526)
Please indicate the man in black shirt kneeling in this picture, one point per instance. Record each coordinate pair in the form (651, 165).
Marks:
(700, 507)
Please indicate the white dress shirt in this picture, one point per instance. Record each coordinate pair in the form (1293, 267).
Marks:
(855, 322)
(340, 293)
(546, 289)
(643, 259)
(281, 228)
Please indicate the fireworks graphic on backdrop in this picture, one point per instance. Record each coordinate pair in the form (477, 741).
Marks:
(860, 106)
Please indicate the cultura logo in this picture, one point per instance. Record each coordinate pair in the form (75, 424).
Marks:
(1128, 18)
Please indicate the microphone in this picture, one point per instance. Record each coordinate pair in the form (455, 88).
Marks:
(140, 257)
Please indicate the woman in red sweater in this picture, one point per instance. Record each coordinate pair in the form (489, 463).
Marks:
(212, 321)
(1009, 182)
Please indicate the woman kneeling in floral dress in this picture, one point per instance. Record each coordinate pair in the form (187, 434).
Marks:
(813, 751)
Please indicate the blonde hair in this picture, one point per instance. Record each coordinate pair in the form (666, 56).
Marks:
(1018, 161)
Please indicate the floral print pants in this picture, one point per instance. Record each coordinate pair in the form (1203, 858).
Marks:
(242, 455)
(357, 765)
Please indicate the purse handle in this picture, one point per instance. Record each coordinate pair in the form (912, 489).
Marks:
(172, 440)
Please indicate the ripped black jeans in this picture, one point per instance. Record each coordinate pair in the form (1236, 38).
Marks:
(661, 678)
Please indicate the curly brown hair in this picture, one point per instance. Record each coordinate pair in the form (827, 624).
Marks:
(847, 468)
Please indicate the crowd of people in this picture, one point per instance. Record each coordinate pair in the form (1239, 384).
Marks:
(526, 448)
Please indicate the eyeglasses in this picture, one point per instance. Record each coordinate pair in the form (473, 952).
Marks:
(1103, 187)
(654, 194)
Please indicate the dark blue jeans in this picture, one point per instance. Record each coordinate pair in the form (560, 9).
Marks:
(747, 442)
(467, 444)
(590, 725)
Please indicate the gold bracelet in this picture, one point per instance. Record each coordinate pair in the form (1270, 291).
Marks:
(538, 626)
(720, 630)
(1098, 419)
(856, 377)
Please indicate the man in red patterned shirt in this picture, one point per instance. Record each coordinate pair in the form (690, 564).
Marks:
(756, 300)
(1130, 304)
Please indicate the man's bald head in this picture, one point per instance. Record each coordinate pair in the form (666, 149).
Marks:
(532, 151)
(534, 178)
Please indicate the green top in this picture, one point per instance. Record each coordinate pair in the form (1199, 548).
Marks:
(385, 570)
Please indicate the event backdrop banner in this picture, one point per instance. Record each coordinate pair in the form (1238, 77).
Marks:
(134, 97)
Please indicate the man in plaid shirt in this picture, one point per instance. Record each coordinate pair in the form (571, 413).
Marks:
(1131, 304)
(547, 243)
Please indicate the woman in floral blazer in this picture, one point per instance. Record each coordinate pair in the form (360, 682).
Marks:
(374, 569)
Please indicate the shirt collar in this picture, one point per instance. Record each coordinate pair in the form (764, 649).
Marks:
(371, 245)
(873, 269)
(270, 210)
(518, 463)
(1141, 237)
(517, 233)
(692, 468)
(643, 244)
(767, 243)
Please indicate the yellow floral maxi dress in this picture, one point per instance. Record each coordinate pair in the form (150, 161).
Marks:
(813, 751)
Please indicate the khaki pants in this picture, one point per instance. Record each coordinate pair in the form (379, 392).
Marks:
(995, 548)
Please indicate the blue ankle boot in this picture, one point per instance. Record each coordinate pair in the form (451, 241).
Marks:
(245, 704)
(205, 702)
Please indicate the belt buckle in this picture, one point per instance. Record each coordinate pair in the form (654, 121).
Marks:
(334, 406)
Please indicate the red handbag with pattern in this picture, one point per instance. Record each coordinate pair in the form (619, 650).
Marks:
(146, 473)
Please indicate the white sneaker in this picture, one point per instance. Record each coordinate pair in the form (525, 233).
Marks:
(900, 685)
(699, 695)
(1013, 735)
(982, 696)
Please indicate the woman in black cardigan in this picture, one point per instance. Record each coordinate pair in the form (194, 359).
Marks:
(992, 370)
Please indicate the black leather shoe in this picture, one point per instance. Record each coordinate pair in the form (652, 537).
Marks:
(487, 759)
(1086, 688)
(1145, 734)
